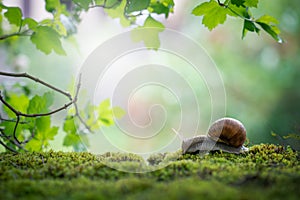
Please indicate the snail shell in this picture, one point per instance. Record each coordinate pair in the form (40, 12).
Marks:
(229, 131)
(226, 134)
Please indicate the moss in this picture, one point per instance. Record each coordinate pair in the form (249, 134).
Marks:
(267, 171)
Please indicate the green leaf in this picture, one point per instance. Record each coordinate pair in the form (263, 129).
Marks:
(49, 97)
(47, 40)
(118, 12)
(43, 123)
(71, 140)
(249, 26)
(45, 131)
(1, 19)
(40, 104)
(161, 7)
(2, 6)
(10, 126)
(34, 145)
(14, 15)
(267, 23)
(108, 3)
(99, 2)
(238, 11)
(267, 19)
(51, 133)
(69, 125)
(118, 112)
(238, 3)
(60, 28)
(43, 134)
(83, 3)
(106, 114)
(271, 30)
(31, 23)
(37, 105)
(19, 103)
(213, 14)
(46, 22)
(136, 5)
(104, 111)
(251, 3)
(148, 33)
(52, 5)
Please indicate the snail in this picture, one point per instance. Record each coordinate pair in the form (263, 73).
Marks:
(226, 134)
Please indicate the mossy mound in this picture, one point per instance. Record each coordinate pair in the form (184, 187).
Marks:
(265, 172)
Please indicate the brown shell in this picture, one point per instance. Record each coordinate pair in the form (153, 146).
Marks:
(229, 131)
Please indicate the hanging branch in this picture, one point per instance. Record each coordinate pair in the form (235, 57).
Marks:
(25, 75)
(72, 101)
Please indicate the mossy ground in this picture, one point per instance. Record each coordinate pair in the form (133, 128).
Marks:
(265, 172)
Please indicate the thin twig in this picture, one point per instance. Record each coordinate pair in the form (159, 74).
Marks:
(221, 4)
(234, 12)
(11, 120)
(76, 107)
(73, 101)
(29, 138)
(244, 18)
(7, 147)
(136, 15)
(24, 33)
(80, 118)
(3, 135)
(25, 75)
(7, 105)
(17, 113)
(15, 129)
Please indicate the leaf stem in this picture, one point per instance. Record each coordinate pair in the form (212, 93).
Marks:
(234, 12)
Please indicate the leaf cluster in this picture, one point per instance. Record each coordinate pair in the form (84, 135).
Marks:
(47, 34)
(95, 117)
(34, 129)
(34, 132)
(215, 13)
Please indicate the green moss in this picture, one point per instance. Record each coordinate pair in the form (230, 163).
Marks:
(265, 172)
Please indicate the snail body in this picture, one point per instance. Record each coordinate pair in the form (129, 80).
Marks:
(226, 134)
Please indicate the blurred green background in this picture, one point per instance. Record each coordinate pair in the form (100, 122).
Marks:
(261, 77)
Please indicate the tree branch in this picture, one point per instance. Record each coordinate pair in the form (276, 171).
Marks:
(3, 135)
(15, 129)
(221, 4)
(25, 75)
(7, 147)
(73, 101)
(76, 107)
(23, 33)
(10, 120)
